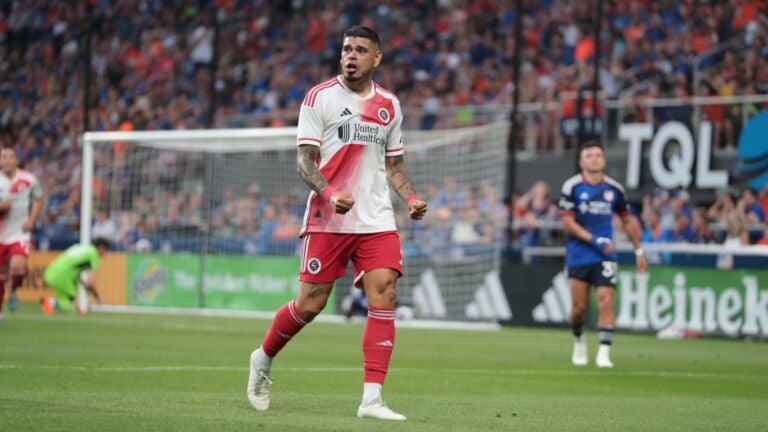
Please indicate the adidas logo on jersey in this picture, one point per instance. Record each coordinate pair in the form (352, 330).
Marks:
(346, 112)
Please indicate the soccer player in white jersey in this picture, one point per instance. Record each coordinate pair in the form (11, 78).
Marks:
(349, 146)
(22, 189)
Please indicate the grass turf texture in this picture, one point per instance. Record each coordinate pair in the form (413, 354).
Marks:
(140, 372)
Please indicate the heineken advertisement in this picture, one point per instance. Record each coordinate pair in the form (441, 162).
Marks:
(702, 300)
(231, 282)
(708, 301)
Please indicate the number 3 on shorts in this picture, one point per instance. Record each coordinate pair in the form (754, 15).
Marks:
(609, 269)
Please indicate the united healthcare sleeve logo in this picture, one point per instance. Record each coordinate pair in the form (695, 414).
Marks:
(753, 151)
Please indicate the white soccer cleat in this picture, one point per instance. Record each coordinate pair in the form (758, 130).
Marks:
(603, 359)
(379, 410)
(258, 386)
(579, 357)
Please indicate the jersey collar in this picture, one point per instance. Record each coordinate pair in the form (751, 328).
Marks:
(340, 79)
(602, 180)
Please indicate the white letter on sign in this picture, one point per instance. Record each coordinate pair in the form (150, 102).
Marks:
(679, 172)
(704, 177)
(635, 133)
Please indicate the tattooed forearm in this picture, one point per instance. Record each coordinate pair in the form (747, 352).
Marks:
(308, 170)
(398, 177)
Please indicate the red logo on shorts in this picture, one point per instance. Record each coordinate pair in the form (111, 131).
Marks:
(314, 265)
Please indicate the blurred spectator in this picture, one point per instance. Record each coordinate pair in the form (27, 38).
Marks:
(736, 230)
(702, 233)
(653, 232)
(763, 241)
(750, 208)
(536, 216)
(724, 205)
(683, 231)
(104, 226)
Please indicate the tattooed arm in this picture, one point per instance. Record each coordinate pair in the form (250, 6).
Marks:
(308, 170)
(310, 173)
(398, 176)
(401, 182)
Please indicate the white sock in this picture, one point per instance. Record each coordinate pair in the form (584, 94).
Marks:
(262, 360)
(371, 392)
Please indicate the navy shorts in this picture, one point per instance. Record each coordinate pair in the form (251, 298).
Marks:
(597, 274)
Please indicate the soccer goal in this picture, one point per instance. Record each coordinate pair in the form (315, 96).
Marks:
(209, 218)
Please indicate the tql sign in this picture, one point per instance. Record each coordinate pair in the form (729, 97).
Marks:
(677, 171)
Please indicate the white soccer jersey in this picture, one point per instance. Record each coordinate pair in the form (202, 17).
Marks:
(355, 135)
(22, 189)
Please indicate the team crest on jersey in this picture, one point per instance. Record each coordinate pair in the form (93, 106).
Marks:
(384, 115)
(314, 265)
(608, 195)
(584, 196)
(344, 133)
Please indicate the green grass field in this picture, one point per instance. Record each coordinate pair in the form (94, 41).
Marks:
(139, 372)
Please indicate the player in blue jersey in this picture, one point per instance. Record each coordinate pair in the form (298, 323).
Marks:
(588, 203)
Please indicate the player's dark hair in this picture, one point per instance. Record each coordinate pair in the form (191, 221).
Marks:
(102, 242)
(362, 31)
(589, 144)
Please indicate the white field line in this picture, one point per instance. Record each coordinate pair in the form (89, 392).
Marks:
(223, 313)
(510, 372)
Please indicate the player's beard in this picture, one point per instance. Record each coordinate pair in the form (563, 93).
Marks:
(355, 76)
(359, 74)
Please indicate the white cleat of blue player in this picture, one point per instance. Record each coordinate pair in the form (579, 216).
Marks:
(579, 357)
(603, 359)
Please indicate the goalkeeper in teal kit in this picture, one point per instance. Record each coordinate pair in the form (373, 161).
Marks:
(75, 265)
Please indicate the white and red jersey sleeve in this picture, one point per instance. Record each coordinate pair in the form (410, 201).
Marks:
(395, 140)
(21, 190)
(355, 134)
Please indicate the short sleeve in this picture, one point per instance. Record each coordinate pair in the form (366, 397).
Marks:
(310, 128)
(395, 145)
(95, 260)
(566, 203)
(620, 206)
(37, 188)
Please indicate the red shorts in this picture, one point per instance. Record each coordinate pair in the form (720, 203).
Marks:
(324, 256)
(13, 249)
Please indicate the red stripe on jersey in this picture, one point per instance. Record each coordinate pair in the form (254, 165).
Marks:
(383, 90)
(312, 95)
(395, 150)
(342, 172)
(314, 98)
(313, 90)
(309, 139)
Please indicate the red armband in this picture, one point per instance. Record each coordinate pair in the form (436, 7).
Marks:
(411, 197)
(328, 191)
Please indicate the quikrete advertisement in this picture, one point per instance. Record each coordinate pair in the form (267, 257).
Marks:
(243, 283)
(707, 301)
(110, 278)
(231, 282)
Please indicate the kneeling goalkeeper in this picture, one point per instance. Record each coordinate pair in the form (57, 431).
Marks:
(64, 274)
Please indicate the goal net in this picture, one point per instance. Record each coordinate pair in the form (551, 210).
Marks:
(209, 218)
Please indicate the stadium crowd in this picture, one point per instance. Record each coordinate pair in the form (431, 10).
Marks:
(157, 65)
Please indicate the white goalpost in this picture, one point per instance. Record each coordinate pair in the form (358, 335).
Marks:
(208, 218)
